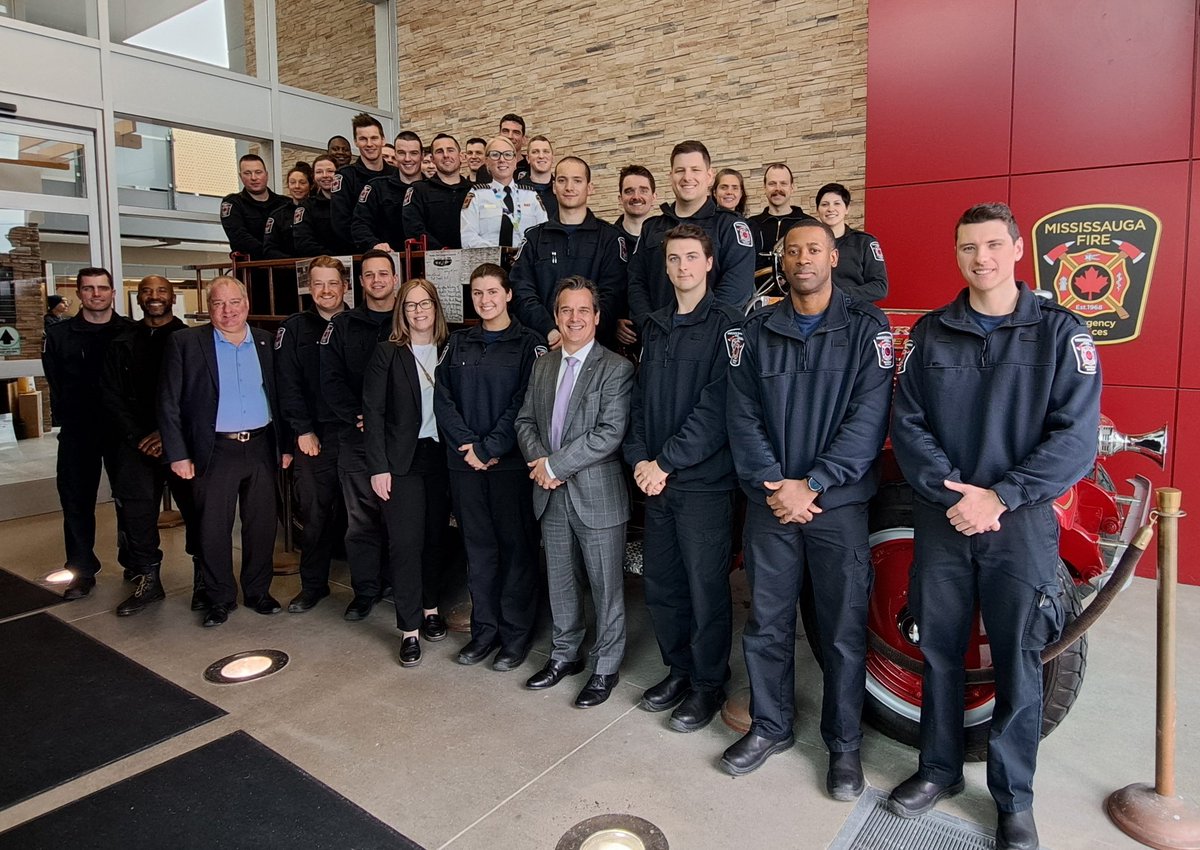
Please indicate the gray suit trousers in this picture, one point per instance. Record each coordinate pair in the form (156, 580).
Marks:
(572, 548)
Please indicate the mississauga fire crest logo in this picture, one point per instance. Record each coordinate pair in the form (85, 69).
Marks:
(1097, 261)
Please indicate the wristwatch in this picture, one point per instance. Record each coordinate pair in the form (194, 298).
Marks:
(815, 485)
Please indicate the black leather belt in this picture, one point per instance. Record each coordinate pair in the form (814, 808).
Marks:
(242, 436)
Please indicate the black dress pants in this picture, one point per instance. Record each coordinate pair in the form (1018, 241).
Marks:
(366, 534)
(81, 453)
(137, 491)
(320, 506)
(240, 478)
(495, 515)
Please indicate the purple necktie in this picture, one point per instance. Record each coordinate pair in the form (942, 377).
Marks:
(559, 418)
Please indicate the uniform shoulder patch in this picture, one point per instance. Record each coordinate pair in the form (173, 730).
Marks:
(298, 215)
(226, 209)
(885, 354)
(624, 251)
(876, 251)
(364, 194)
(337, 183)
(442, 354)
(467, 200)
(744, 237)
(269, 226)
(909, 348)
(735, 343)
(279, 334)
(328, 333)
(408, 196)
(1086, 360)
(540, 351)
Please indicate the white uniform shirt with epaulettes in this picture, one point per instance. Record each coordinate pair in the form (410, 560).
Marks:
(483, 210)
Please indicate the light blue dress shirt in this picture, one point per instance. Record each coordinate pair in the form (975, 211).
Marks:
(241, 396)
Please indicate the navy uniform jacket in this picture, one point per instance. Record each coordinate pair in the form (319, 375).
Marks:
(73, 354)
(731, 280)
(312, 229)
(347, 186)
(379, 214)
(245, 222)
(347, 346)
(279, 235)
(479, 392)
(860, 270)
(595, 249)
(815, 407)
(677, 415)
(769, 229)
(432, 209)
(1015, 411)
(298, 373)
(131, 371)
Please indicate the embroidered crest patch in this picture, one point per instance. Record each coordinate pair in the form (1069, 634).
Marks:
(328, 333)
(540, 351)
(279, 337)
(337, 183)
(744, 236)
(621, 245)
(226, 209)
(364, 194)
(908, 351)
(298, 216)
(408, 196)
(467, 200)
(735, 342)
(884, 350)
(1086, 361)
(877, 252)
(269, 226)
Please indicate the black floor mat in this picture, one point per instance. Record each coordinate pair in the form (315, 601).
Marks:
(69, 704)
(233, 792)
(18, 596)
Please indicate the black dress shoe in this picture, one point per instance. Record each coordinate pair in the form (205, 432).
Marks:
(306, 599)
(915, 796)
(433, 628)
(1016, 831)
(553, 673)
(666, 694)
(597, 690)
(510, 659)
(147, 589)
(359, 608)
(218, 614)
(410, 652)
(200, 600)
(81, 585)
(697, 710)
(265, 604)
(751, 751)
(844, 780)
(476, 651)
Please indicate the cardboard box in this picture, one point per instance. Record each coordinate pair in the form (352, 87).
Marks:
(29, 415)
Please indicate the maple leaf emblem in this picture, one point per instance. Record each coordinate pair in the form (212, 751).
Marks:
(1092, 282)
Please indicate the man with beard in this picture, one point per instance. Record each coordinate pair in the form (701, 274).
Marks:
(432, 207)
(130, 392)
(779, 216)
(637, 197)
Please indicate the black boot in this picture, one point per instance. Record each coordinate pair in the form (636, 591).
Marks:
(147, 588)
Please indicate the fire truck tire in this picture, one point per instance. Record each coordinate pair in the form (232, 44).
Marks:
(898, 716)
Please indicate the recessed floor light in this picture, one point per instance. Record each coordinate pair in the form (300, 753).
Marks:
(613, 832)
(246, 666)
(61, 576)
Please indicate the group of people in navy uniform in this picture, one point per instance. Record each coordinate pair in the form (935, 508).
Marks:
(533, 422)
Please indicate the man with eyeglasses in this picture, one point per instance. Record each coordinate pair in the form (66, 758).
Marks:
(499, 212)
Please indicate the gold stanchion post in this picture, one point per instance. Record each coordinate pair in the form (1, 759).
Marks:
(1154, 814)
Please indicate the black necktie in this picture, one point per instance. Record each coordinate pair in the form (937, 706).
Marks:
(506, 228)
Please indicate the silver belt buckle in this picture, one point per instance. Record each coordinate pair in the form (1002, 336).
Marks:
(243, 436)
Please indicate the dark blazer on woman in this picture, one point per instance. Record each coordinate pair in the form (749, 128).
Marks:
(391, 409)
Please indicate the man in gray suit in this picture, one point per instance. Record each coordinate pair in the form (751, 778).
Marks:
(570, 430)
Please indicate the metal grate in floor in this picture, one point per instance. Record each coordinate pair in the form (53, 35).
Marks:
(872, 827)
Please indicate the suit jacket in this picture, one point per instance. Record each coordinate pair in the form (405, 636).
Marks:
(391, 409)
(589, 460)
(188, 395)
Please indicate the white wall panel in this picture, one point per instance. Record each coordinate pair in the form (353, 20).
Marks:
(50, 68)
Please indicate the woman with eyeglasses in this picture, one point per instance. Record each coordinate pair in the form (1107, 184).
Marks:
(480, 387)
(407, 463)
(498, 213)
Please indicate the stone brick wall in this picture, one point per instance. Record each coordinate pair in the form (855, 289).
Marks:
(328, 47)
(23, 266)
(622, 82)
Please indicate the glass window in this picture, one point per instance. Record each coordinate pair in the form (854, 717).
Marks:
(41, 166)
(174, 168)
(311, 59)
(217, 32)
(77, 16)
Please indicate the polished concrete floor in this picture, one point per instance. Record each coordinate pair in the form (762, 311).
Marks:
(466, 758)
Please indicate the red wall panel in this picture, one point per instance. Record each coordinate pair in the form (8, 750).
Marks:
(1185, 451)
(1153, 358)
(915, 227)
(939, 81)
(1189, 362)
(1101, 82)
